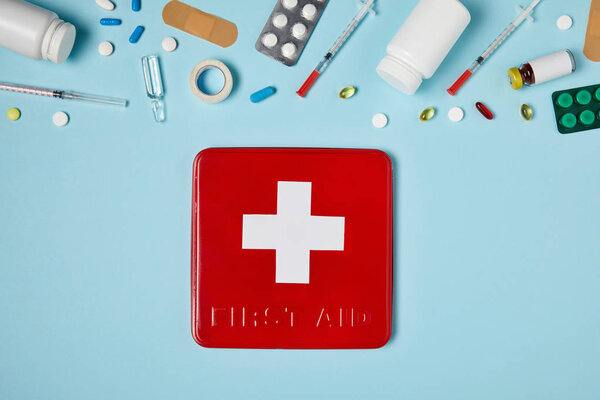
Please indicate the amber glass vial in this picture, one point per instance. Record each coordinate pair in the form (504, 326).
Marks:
(542, 69)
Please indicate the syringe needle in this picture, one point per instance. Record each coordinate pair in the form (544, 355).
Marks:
(491, 48)
(61, 94)
(334, 49)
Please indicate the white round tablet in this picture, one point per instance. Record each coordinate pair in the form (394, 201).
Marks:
(309, 11)
(106, 48)
(456, 114)
(60, 118)
(380, 120)
(288, 50)
(289, 4)
(269, 39)
(280, 21)
(169, 44)
(564, 22)
(299, 30)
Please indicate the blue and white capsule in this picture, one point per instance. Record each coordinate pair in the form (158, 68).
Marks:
(136, 34)
(110, 21)
(262, 94)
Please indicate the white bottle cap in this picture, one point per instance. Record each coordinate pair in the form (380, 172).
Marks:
(399, 75)
(58, 41)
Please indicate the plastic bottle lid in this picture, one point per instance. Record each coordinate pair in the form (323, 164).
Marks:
(58, 42)
(399, 75)
(515, 79)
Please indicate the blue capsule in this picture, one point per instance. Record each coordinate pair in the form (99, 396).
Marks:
(110, 21)
(262, 94)
(136, 34)
(136, 5)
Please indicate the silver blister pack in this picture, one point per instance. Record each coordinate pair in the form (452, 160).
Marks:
(288, 29)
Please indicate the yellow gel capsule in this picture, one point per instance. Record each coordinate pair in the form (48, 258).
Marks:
(427, 114)
(526, 112)
(13, 114)
(347, 92)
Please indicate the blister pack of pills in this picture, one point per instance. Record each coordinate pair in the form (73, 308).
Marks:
(288, 29)
(577, 109)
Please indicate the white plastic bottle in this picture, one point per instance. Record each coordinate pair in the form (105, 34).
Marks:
(422, 43)
(35, 32)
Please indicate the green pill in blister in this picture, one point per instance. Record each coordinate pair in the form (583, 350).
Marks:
(565, 100)
(587, 117)
(583, 97)
(568, 120)
(597, 94)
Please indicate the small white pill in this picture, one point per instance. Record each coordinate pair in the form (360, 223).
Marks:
(299, 30)
(106, 48)
(288, 50)
(309, 11)
(456, 114)
(289, 4)
(269, 39)
(380, 120)
(564, 22)
(60, 118)
(280, 21)
(169, 44)
(106, 4)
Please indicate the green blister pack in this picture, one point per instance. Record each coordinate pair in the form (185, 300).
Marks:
(577, 109)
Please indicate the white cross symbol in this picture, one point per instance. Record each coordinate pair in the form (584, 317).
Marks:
(292, 232)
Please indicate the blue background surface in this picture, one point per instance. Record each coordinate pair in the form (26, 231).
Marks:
(497, 222)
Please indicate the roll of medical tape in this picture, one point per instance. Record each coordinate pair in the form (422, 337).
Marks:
(227, 86)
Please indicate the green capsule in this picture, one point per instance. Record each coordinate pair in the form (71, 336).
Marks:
(526, 112)
(347, 92)
(427, 114)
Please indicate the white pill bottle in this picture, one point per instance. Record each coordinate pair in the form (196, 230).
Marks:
(35, 32)
(422, 43)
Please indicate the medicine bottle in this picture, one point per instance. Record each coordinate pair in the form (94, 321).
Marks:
(542, 69)
(422, 42)
(35, 32)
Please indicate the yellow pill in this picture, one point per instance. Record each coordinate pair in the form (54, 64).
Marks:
(13, 114)
(347, 92)
(427, 114)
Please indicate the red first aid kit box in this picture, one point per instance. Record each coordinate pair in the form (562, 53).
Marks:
(292, 248)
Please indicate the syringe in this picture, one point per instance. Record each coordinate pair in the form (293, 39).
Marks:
(495, 44)
(62, 94)
(335, 48)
